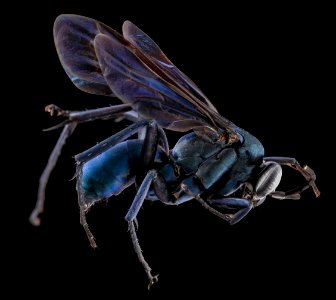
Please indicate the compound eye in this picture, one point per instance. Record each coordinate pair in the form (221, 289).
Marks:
(269, 180)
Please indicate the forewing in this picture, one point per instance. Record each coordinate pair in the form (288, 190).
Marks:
(73, 36)
(135, 82)
(152, 51)
(99, 60)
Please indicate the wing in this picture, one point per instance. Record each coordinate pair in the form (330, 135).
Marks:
(73, 36)
(99, 60)
(152, 51)
(134, 82)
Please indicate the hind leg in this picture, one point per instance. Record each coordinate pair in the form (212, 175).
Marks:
(73, 118)
(149, 148)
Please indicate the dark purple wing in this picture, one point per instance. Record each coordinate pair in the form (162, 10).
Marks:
(73, 36)
(134, 82)
(99, 60)
(152, 51)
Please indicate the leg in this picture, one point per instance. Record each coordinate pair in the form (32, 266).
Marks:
(140, 196)
(69, 127)
(244, 206)
(227, 217)
(131, 216)
(293, 194)
(186, 194)
(85, 225)
(305, 171)
(138, 251)
(153, 136)
(217, 213)
(102, 113)
(113, 140)
(66, 132)
(148, 153)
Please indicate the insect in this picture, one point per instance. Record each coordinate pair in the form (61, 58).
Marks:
(215, 162)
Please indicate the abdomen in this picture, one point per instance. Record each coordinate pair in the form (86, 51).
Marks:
(110, 172)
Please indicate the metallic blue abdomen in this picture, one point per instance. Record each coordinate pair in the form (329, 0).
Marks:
(110, 172)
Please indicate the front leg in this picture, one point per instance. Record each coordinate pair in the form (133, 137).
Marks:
(217, 213)
(305, 171)
(243, 205)
(294, 194)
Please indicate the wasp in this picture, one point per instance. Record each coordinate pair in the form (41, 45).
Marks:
(215, 162)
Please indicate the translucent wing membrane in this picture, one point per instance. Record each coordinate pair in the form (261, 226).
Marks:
(73, 36)
(132, 67)
(149, 48)
(133, 82)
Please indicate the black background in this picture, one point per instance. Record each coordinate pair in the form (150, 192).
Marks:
(264, 68)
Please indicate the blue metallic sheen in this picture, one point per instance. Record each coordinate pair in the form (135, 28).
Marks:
(106, 174)
(201, 164)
